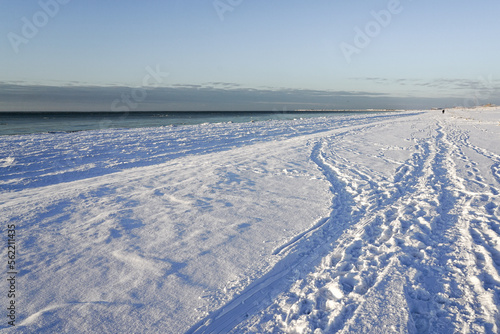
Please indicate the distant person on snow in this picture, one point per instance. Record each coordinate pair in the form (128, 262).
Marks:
(443, 111)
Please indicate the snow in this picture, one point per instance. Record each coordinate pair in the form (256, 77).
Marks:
(374, 223)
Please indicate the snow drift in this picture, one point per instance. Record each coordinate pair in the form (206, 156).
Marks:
(367, 223)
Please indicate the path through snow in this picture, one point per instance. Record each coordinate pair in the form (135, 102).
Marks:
(370, 223)
(418, 251)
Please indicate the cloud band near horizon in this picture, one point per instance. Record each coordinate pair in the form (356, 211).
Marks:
(15, 97)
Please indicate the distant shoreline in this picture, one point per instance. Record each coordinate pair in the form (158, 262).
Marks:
(349, 110)
(200, 112)
(13, 123)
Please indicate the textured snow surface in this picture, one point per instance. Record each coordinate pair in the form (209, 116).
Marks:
(382, 223)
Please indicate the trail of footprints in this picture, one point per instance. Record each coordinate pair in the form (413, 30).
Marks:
(421, 223)
(327, 298)
(484, 231)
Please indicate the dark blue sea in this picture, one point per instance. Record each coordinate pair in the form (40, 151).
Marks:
(46, 122)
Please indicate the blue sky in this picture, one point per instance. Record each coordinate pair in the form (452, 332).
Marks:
(247, 54)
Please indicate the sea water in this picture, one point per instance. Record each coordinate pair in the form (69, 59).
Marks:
(46, 122)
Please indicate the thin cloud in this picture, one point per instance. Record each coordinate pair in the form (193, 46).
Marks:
(227, 85)
(16, 97)
(440, 83)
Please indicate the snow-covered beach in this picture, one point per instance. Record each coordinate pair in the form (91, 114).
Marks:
(355, 224)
